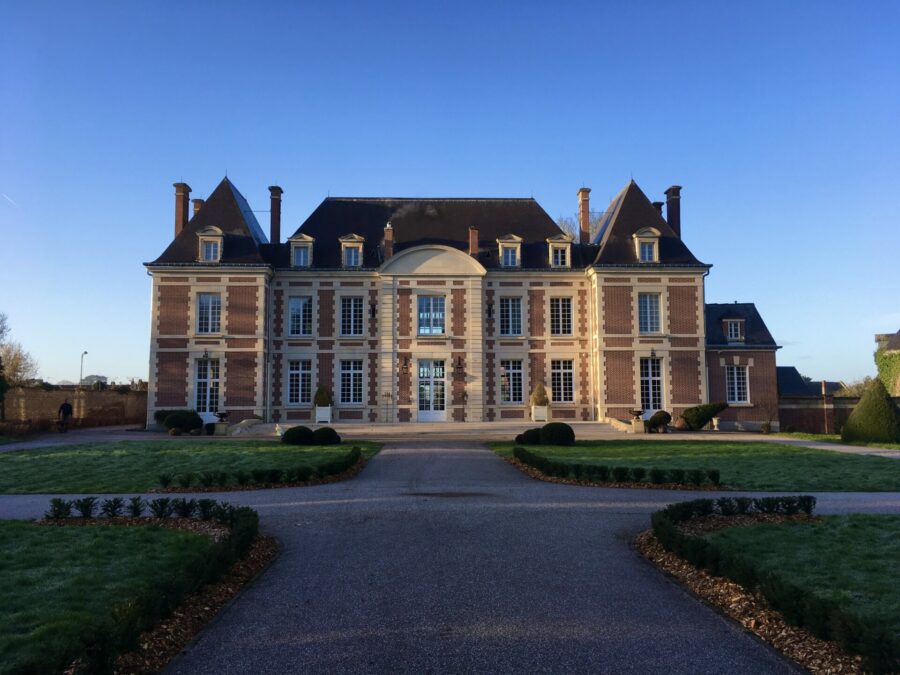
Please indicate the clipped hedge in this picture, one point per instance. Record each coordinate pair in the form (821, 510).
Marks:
(326, 436)
(557, 433)
(298, 435)
(659, 420)
(184, 420)
(875, 419)
(700, 415)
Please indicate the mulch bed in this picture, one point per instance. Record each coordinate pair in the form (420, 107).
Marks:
(335, 478)
(750, 610)
(539, 475)
(210, 528)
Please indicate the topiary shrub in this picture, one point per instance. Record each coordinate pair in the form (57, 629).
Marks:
(520, 439)
(557, 433)
(323, 397)
(700, 415)
(299, 435)
(186, 420)
(326, 436)
(532, 437)
(875, 419)
(638, 473)
(621, 474)
(659, 420)
(539, 395)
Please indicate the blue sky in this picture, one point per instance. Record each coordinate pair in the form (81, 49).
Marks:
(779, 119)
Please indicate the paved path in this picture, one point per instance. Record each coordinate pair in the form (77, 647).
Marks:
(442, 557)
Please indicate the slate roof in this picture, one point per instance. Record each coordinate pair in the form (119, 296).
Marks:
(791, 383)
(226, 209)
(894, 342)
(756, 334)
(629, 212)
(432, 221)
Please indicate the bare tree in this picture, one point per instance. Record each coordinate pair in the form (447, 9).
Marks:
(4, 328)
(18, 365)
(572, 226)
(857, 388)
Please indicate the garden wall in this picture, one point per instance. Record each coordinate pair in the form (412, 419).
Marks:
(90, 408)
(815, 415)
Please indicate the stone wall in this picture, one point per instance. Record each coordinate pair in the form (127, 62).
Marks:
(91, 408)
(813, 415)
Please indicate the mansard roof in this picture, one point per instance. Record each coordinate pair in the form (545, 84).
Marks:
(629, 212)
(791, 383)
(417, 222)
(227, 210)
(893, 342)
(756, 334)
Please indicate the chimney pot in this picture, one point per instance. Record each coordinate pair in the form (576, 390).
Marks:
(197, 204)
(673, 209)
(275, 193)
(182, 197)
(473, 241)
(388, 240)
(584, 215)
(658, 206)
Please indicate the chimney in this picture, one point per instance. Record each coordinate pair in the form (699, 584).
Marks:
(584, 215)
(658, 206)
(275, 214)
(673, 209)
(182, 197)
(473, 241)
(388, 240)
(197, 204)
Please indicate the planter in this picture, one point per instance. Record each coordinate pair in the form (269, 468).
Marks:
(715, 423)
(323, 414)
(637, 426)
(540, 413)
(221, 429)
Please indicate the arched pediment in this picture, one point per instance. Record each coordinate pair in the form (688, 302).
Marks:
(433, 260)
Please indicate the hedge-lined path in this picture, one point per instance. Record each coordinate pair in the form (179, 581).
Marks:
(443, 557)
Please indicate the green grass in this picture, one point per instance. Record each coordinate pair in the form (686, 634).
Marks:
(134, 466)
(833, 438)
(58, 582)
(744, 466)
(850, 560)
(7, 439)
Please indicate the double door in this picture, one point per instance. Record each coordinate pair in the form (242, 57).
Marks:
(432, 391)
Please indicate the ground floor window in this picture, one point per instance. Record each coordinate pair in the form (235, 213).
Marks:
(736, 389)
(562, 383)
(651, 384)
(510, 381)
(299, 382)
(352, 381)
(207, 386)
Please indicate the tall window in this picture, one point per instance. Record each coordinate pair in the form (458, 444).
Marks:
(734, 331)
(562, 385)
(351, 381)
(648, 312)
(351, 316)
(648, 251)
(559, 256)
(431, 315)
(299, 382)
(510, 316)
(207, 386)
(301, 256)
(300, 315)
(509, 256)
(736, 389)
(209, 312)
(651, 384)
(560, 316)
(352, 256)
(209, 250)
(510, 381)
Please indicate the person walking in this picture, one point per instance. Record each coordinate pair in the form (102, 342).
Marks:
(65, 412)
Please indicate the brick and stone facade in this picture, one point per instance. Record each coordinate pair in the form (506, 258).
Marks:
(414, 310)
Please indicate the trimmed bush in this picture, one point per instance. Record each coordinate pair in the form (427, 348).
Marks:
(184, 508)
(274, 475)
(532, 436)
(184, 420)
(136, 506)
(715, 476)
(323, 397)
(185, 480)
(638, 474)
(210, 428)
(677, 475)
(242, 477)
(161, 507)
(326, 436)
(659, 420)
(299, 435)
(259, 475)
(557, 433)
(221, 478)
(875, 419)
(160, 415)
(539, 395)
(59, 508)
(112, 508)
(205, 508)
(207, 478)
(520, 439)
(657, 476)
(696, 476)
(86, 506)
(699, 416)
(621, 474)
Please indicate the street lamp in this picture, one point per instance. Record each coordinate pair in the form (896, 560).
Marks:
(81, 370)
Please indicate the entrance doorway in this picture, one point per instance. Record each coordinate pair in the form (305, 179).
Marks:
(432, 387)
(651, 386)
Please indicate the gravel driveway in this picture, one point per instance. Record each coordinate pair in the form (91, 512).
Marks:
(444, 558)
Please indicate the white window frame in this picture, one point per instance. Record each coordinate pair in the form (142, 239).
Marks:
(512, 383)
(644, 237)
(511, 318)
(211, 314)
(210, 241)
(435, 323)
(559, 318)
(306, 249)
(733, 386)
(645, 246)
(207, 385)
(736, 324)
(304, 307)
(509, 255)
(352, 250)
(350, 318)
(299, 380)
(650, 370)
(565, 250)
(351, 382)
(562, 380)
(649, 322)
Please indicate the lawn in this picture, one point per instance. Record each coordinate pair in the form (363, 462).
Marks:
(833, 438)
(6, 439)
(135, 466)
(743, 466)
(850, 561)
(61, 582)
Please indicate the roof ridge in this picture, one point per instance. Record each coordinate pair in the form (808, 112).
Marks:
(432, 199)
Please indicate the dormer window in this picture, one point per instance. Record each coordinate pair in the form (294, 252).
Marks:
(352, 250)
(301, 250)
(301, 256)
(734, 330)
(647, 245)
(560, 250)
(510, 250)
(209, 245)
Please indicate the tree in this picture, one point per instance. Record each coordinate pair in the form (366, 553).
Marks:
(4, 328)
(857, 388)
(571, 225)
(875, 419)
(18, 365)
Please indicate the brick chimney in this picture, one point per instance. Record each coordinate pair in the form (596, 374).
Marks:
(584, 215)
(275, 214)
(182, 197)
(673, 209)
(473, 241)
(388, 240)
(658, 206)
(197, 204)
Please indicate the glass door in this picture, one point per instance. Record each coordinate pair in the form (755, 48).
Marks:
(206, 387)
(651, 386)
(432, 389)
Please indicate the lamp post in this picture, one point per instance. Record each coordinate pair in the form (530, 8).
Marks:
(81, 370)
